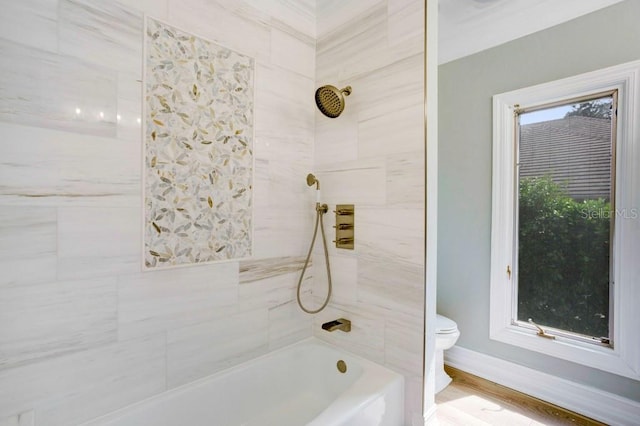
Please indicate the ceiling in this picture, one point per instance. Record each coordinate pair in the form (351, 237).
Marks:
(470, 26)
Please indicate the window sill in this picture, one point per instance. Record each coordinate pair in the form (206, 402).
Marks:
(583, 353)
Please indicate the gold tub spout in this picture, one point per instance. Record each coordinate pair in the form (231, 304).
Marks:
(339, 324)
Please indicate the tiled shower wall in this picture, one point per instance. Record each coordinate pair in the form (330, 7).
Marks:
(82, 330)
(373, 156)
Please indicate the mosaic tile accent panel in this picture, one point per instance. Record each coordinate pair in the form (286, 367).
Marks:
(198, 150)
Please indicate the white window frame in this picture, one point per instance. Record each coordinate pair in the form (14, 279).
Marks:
(624, 357)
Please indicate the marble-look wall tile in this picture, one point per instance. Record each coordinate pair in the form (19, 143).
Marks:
(281, 181)
(129, 120)
(368, 42)
(44, 320)
(406, 23)
(245, 32)
(282, 232)
(390, 234)
(394, 287)
(203, 349)
(274, 114)
(101, 32)
(269, 292)
(297, 17)
(288, 324)
(49, 168)
(23, 419)
(406, 180)
(360, 182)
(290, 150)
(129, 116)
(394, 87)
(260, 183)
(331, 14)
(366, 337)
(289, 162)
(348, 51)
(395, 6)
(336, 139)
(98, 241)
(77, 387)
(292, 53)
(259, 269)
(288, 187)
(154, 8)
(344, 277)
(284, 104)
(152, 302)
(30, 22)
(284, 137)
(284, 123)
(403, 344)
(398, 131)
(413, 390)
(43, 89)
(28, 245)
(308, 297)
(294, 91)
(130, 86)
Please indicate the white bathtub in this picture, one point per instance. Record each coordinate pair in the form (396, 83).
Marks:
(294, 386)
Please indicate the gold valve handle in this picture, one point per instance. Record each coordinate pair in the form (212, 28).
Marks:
(344, 241)
(344, 226)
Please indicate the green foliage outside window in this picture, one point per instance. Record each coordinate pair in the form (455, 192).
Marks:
(563, 266)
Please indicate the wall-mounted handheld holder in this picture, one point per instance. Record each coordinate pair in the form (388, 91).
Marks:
(345, 226)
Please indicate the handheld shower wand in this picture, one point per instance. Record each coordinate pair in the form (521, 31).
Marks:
(321, 209)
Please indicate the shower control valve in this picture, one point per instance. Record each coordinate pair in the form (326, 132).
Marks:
(345, 226)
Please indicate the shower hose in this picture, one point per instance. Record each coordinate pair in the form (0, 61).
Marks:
(320, 210)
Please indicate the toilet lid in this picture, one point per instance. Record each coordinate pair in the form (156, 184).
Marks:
(445, 325)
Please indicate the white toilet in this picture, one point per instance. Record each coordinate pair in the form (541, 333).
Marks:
(446, 336)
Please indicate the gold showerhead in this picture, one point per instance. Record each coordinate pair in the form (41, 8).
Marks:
(330, 100)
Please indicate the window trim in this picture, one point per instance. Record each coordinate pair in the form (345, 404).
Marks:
(624, 358)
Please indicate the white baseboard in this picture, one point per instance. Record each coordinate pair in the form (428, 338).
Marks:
(429, 418)
(588, 401)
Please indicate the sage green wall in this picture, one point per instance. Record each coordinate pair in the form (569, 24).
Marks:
(604, 38)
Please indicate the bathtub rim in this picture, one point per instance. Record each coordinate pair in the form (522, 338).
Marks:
(167, 395)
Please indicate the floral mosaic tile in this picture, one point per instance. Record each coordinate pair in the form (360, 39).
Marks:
(198, 150)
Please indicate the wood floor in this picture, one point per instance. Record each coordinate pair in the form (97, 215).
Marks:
(472, 401)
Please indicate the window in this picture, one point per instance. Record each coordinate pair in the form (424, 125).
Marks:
(562, 268)
(566, 219)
